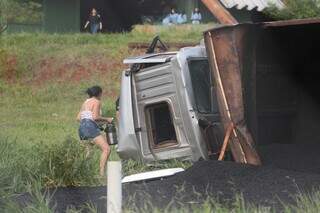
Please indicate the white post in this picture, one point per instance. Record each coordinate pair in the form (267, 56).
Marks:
(114, 187)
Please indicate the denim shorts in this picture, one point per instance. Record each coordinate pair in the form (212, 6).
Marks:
(88, 129)
(94, 28)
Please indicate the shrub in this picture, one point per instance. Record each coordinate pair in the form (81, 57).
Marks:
(295, 9)
(67, 164)
(3, 8)
(16, 11)
(60, 164)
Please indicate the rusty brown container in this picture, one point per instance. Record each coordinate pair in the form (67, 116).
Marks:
(265, 80)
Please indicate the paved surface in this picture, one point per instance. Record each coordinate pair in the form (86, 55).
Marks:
(286, 171)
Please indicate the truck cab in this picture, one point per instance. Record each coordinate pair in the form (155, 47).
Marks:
(168, 107)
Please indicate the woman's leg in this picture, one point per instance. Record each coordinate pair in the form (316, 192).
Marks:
(101, 141)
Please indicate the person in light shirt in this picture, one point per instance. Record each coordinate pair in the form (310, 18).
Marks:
(182, 18)
(173, 17)
(196, 16)
(90, 117)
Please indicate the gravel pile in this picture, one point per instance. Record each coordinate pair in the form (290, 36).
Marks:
(223, 180)
(298, 157)
(287, 170)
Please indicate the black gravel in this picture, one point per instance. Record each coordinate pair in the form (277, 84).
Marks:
(298, 157)
(287, 170)
(223, 180)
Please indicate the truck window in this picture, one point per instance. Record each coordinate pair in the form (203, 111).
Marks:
(201, 83)
(160, 126)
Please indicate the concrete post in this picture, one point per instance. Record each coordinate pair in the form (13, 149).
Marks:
(114, 187)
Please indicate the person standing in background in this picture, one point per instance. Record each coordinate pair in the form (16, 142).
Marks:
(173, 17)
(196, 16)
(94, 21)
(182, 18)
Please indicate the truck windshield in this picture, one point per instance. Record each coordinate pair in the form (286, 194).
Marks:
(201, 83)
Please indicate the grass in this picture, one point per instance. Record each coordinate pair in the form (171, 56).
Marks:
(38, 137)
(82, 46)
(40, 202)
(39, 146)
(32, 113)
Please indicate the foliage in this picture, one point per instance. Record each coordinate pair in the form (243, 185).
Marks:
(296, 9)
(67, 164)
(3, 9)
(63, 164)
(19, 11)
(39, 201)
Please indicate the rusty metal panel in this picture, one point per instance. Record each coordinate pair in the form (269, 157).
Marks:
(225, 47)
(291, 22)
(256, 65)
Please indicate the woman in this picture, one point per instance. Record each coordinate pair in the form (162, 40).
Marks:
(182, 18)
(88, 116)
(196, 16)
(173, 17)
(94, 21)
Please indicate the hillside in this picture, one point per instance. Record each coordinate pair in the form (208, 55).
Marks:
(47, 74)
(42, 82)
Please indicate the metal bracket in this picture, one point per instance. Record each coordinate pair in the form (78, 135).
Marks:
(139, 129)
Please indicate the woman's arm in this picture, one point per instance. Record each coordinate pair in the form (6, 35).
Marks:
(96, 114)
(78, 117)
(192, 17)
(86, 25)
(79, 113)
(100, 22)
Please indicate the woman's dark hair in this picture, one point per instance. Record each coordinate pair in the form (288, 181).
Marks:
(94, 91)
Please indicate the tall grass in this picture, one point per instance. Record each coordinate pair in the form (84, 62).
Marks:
(61, 164)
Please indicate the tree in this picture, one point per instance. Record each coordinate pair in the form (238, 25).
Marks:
(295, 9)
(21, 11)
(3, 9)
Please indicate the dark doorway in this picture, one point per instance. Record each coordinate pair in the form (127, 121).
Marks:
(116, 16)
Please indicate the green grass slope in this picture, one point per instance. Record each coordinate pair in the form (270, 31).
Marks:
(42, 82)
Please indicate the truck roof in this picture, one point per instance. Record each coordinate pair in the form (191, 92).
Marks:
(150, 58)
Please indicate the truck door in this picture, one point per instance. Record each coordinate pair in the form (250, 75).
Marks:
(159, 122)
(205, 103)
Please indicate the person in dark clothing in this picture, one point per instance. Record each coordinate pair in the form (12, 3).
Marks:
(95, 22)
(118, 109)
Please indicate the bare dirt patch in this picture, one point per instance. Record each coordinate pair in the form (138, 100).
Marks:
(75, 70)
(8, 66)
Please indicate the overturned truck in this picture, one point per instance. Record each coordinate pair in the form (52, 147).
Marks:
(245, 86)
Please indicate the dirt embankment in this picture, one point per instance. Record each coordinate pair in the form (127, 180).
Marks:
(62, 69)
(75, 70)
(8, 66)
